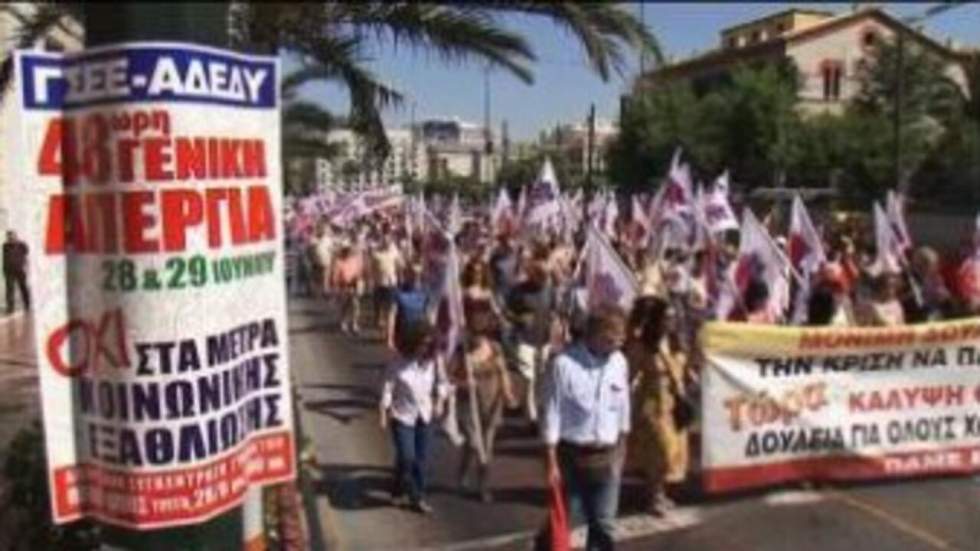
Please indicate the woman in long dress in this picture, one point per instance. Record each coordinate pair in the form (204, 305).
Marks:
(657, 373)
(484, 388)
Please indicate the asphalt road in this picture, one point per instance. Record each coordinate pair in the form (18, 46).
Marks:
(338, 378)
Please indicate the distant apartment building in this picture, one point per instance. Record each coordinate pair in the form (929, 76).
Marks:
(432, 149)
(828, 50)
(457, 148)
(352, 167)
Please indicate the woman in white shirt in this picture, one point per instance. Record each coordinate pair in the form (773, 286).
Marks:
(412, 397)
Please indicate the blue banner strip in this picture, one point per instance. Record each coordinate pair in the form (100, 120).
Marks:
(144, 74)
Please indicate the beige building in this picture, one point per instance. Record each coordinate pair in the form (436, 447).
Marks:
(828, 50)
(432, 149)
(65, 37)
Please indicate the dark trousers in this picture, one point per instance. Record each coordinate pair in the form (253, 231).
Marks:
(20, 280)
(591, 494)
(411, 455)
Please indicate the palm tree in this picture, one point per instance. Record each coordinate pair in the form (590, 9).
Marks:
(971, 96)
(331, 40)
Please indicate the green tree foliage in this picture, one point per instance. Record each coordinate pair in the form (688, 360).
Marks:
(747, 126)
(753, 125)
(904, 82)
(652, 126)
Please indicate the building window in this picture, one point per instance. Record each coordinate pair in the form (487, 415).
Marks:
(780, 28)
(733, 42)
(832, 73)
(756, 37)
(53, 45)
(869, 38)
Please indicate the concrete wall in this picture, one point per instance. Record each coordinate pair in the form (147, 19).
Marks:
(941, 231)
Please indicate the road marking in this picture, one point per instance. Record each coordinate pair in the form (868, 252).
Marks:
(793, 498)
(626, 528)
(897, 522)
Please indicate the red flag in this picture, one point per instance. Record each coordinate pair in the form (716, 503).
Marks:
(558, 525)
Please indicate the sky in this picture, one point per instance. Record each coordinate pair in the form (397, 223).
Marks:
(564, 86)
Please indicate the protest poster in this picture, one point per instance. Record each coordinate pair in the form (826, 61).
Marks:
(150, 188)
(800, 403)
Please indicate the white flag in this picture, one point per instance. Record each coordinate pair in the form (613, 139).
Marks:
(609, 215)
(543, 209)
(640, 221)
(888, 244)
(455, 222)
(759, 258)
(806, 252)
(502, 213)
(895, 212)
(607, 278)
(679, 192)
(718, 211)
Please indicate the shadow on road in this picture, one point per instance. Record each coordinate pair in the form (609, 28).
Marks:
(327, 328)
(351, 487)
(343, 410)
(346, 403)
(354, 390)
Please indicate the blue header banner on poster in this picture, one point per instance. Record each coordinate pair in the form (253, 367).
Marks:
(147, 72)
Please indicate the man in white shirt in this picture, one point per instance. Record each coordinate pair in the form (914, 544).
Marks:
(585, 417)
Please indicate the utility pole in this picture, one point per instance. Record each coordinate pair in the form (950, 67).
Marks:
(643, 52)
(591, 145)
(412, 145)
(487, 135)
(897, 114)
(203, 23)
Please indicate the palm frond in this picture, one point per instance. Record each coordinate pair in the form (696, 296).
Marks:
(307, 115)
(332, 58)
(37, 22)
(33, 24)
(296, 146)
(457, 33)
(604, 30)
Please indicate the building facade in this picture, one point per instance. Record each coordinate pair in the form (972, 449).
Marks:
(431, 149)
(457, 148)
(64, 37)
(351, 168)
(827, 49)
(571, 143)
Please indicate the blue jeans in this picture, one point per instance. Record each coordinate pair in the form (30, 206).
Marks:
(411, 453)
(592, 494)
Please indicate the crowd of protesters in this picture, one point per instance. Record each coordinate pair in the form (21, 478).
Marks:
(609, 388)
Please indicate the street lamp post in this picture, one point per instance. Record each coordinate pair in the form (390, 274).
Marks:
(897, 115)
